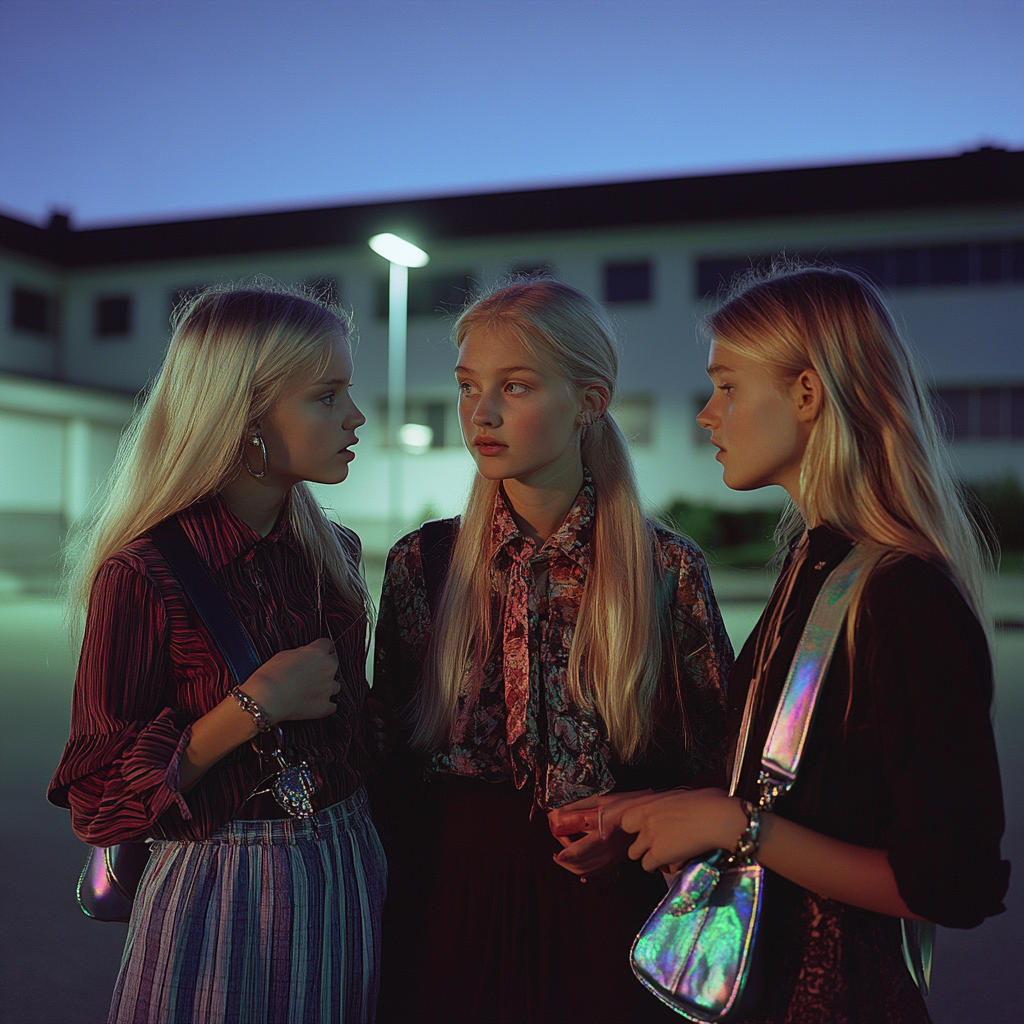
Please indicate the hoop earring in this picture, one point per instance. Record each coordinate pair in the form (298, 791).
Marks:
(257, 442)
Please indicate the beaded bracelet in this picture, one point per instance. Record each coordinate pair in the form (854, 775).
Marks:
(750, 838)
(248, 705)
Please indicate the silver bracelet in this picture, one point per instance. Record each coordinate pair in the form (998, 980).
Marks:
(750, 838)
(248, 705)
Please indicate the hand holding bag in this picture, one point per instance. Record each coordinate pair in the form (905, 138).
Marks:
(697, 952)
(110, 878)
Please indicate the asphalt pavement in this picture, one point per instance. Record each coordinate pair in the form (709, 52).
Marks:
(58, 967)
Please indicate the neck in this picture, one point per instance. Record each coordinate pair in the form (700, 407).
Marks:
(256, 502)
(539, 508)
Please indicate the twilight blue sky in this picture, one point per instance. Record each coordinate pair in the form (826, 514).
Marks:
(127, 110)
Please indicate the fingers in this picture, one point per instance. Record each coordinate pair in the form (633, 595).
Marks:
(571, 823)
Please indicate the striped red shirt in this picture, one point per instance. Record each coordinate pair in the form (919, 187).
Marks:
(149, 669)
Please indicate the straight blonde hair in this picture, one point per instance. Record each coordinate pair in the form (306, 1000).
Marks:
(615, 659)
(233, 353)
(877, 467)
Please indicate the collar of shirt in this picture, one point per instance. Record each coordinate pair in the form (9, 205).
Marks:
(220, 536)
(571, 539)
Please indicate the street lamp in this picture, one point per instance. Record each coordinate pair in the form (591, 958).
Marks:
(401, 255)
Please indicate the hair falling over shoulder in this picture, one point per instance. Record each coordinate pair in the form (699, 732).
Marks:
(618, 642)
(233, 353)
(877, 467)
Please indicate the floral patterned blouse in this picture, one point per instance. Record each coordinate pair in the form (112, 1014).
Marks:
(523, 725)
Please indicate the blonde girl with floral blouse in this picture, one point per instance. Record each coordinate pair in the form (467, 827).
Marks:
(575, 650)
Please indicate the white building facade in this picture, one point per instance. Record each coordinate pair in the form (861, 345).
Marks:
(87, 312)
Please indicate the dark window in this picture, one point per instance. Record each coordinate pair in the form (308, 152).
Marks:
(870, 264)
(627, 282)
(435, 417)
(436, 294)
(949, 264)
(970, 413)
(989, 265)
(1016, 262)
(31, 311)
(988, 413)
(903, 267)
(324, 289)
(112, 316)
(1017, 412)
(911, 267)
(955, 411)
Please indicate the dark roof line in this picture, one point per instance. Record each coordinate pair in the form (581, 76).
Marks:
(985, 177)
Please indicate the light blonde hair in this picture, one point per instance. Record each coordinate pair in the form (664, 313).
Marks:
(233, 353)
(618, 643)
(877, 467)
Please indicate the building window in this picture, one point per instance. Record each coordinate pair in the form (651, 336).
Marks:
(324, 289)
(627, 282)
(429, 294)
(976, 263)
(112, 316)
(635, 416)
(981, 413)
(31, 310)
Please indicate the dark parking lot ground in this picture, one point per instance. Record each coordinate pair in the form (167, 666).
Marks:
(58, 967)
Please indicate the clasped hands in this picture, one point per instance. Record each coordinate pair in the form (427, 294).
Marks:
(663, 830)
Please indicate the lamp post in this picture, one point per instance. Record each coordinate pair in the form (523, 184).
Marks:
(401, 255)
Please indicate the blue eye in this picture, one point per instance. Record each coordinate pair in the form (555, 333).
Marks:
(328, 399)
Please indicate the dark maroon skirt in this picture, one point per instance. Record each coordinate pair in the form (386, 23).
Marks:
(482, 926)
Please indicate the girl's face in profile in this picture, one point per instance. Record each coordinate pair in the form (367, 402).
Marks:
(309, 432)
(755, 424)
(519, 419)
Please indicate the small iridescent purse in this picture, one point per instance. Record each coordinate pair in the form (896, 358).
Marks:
(698, 950)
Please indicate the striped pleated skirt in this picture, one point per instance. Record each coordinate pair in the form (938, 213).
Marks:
(261, 922)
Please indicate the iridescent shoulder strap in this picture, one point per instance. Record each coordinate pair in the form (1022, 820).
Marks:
(788, 735)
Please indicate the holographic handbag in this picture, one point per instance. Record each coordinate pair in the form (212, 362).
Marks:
(698, 950)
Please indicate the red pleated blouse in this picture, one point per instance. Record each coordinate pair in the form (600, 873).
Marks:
(149, 669)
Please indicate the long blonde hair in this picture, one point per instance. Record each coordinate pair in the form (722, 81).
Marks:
(618, 643)
(877, 467)
(233, 353)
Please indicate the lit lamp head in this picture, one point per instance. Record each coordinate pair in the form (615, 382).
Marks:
(415, 438)
(398, 250)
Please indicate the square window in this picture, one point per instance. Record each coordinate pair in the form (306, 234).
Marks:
(627, 282)
(988, 412)
(989, 261)
(1016, 262)
(954, 410)
(870, 264)
(112, 316)
(903, 268)
(436, 417)
(949, 264)
(31, 310)
(1017, 412)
